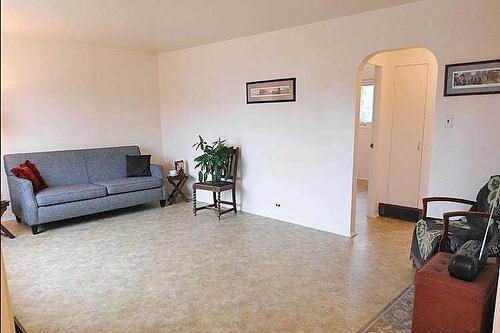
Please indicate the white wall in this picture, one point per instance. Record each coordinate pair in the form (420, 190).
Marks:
(59, 95)
(301, 154)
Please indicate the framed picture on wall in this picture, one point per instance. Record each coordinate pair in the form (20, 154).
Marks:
(472, 78)
(271, 91)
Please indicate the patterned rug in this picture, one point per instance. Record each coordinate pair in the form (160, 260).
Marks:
(396, 316)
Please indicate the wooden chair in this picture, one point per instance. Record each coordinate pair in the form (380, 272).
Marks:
(448, 215)
(217, 188)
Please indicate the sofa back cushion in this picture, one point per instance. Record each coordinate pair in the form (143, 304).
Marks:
(55, 167)
(108, 163)
(29, 171)
(68, 167)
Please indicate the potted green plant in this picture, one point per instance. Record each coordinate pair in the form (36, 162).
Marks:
(214, 162)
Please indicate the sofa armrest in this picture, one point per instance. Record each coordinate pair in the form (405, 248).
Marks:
(157, 171)
(22, 199)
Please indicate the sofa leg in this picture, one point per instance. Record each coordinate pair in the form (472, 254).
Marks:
(18, 219)
(34, 229)
(163, 202)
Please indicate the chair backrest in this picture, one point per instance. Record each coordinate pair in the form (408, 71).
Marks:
(233, 164)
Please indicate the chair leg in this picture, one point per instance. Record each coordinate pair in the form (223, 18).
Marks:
(215, 199)
(18, 219)
(218, 204)
(163, 202)
(234, 199)
(194, 202)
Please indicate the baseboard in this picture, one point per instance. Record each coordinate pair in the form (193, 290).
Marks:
(411, 214)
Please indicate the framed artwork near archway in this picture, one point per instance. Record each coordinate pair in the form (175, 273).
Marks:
(472, 78)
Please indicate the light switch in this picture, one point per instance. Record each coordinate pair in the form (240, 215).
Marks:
(448, 120)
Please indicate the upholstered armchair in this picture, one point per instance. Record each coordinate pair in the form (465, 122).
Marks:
(449, 233)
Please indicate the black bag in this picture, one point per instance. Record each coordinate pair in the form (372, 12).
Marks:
(465, 264)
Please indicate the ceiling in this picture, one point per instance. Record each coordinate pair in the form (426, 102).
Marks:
(165, 25)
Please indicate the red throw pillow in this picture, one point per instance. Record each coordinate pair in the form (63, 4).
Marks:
(28, 171)
(36, 172)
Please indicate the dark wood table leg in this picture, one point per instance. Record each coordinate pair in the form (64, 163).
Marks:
(3, 208)
(177, 189)
(171, 195)
(180, 189)
(7, 232)
(183, 196)
(19, 327)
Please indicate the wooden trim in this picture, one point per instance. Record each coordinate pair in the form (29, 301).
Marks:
(7, 321)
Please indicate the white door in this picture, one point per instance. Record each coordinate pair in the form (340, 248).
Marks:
(410, 90)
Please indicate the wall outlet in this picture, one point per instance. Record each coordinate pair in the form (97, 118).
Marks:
(278, 205)
(448, 120)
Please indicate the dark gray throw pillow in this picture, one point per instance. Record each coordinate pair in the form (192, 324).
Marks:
(138, 166)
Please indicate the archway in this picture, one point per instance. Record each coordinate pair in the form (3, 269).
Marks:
(401, 125)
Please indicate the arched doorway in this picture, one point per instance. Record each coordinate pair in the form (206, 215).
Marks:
(395, 106)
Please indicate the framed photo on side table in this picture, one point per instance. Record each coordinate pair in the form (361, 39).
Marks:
(472, 78)
(179, 165)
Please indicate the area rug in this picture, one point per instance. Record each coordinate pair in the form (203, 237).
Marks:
(396, 316)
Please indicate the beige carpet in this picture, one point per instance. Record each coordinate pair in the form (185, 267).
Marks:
(152, 269)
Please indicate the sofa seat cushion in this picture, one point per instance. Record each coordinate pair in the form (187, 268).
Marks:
(122, 185)
(54, 195)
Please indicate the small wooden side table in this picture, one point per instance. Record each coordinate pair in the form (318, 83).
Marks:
(177, 182)
(5, 231)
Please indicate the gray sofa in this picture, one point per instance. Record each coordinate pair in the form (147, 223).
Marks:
(81, 182)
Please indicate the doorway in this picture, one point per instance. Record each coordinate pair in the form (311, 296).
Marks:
(369, 92)
(396, 95)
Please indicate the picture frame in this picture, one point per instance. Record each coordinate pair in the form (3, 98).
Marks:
(472, 78)
(271, 91)
(179, 165)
